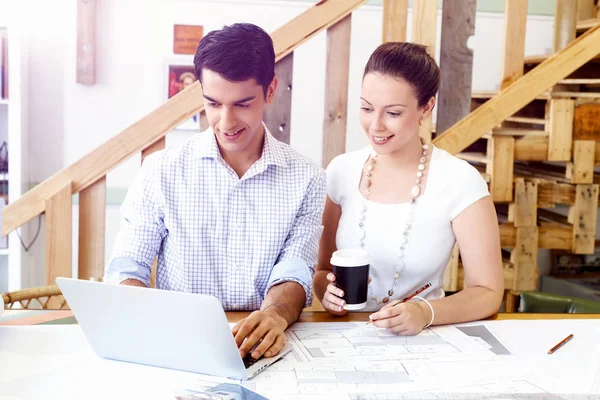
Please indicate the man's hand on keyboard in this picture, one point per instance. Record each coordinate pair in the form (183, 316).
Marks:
(261, 326)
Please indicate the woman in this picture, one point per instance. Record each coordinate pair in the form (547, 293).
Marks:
(406, 203)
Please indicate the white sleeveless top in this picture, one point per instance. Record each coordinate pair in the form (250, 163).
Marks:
(452, 186)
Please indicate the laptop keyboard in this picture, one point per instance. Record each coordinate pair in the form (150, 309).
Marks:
(249, 361)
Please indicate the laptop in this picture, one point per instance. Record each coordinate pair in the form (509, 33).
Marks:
(175, 330)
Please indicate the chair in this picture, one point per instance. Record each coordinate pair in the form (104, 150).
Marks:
(540, 302)
(44, 298)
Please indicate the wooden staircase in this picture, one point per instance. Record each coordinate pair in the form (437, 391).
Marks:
(490, 119)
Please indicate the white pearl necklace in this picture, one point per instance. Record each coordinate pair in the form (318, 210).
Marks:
(415, 191)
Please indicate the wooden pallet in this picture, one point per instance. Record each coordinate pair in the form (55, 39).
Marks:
(540, 161)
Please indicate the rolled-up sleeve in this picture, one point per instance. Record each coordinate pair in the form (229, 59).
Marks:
(298, 258)
(141, 230)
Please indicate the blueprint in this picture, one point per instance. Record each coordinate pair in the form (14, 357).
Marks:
(334, 360)
(333, 341)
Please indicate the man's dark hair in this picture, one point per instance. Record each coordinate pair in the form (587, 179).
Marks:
(237, 52)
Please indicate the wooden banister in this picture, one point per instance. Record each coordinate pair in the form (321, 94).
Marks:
(92, 230)
(520, 92)
(154, 126)
(59, 234)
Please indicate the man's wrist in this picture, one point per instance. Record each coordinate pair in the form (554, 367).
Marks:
(276, 313)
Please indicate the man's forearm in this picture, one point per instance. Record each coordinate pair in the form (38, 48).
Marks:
(286, 300)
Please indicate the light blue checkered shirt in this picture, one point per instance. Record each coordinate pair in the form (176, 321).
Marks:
(217, 234)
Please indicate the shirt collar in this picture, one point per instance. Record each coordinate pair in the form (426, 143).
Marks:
(272, 153)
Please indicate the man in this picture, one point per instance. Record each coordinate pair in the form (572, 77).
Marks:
(233, 213)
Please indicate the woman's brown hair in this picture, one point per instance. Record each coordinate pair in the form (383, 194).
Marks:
(409, 61)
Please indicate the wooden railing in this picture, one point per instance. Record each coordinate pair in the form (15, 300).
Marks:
(88, 176)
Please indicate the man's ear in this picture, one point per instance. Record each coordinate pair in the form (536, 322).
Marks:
(271, 90)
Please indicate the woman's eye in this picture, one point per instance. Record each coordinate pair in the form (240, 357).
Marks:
(366, 109)
(393, 114)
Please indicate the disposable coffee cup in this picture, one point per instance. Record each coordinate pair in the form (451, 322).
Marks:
(351, 269)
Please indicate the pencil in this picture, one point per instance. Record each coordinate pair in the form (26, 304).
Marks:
(560, 344)
(407, 298)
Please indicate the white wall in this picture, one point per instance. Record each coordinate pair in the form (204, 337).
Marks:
(134, 39)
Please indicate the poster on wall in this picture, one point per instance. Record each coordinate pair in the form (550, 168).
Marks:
(186, 38)
(181, 76)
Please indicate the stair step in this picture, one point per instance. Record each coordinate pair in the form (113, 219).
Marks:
(527, 120)
(586, 24)
(516, 132)
(541, 58)
(473, 157)
(581, 81)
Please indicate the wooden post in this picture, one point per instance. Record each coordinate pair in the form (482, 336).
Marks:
(560, 129)
(456, 62)
(501, 153)
(565, 24)
(395, 18)
(524, 255)
(59, 235)
(86, 42)
(424, 28)
(278, 115)
(336, 89)
(581, 169)
(510, 305)
(583, 216)
(92, 230)
(586, 10)
(526, 201)
(515, 21)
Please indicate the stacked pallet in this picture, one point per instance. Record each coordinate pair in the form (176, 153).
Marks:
(541, 161)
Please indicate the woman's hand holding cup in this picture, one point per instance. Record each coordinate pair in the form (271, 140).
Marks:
(332, 299)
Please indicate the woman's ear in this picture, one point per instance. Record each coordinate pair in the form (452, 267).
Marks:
(428, 108)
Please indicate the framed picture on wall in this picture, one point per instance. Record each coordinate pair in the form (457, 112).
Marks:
(179, 76)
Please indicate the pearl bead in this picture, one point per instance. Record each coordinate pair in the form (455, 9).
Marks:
(418, 181)
(422, 159)
(390, 292)
(421, 167)
(386, 299)
(370, 167)
(419, 174)
(415, 190)
(396, 276)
